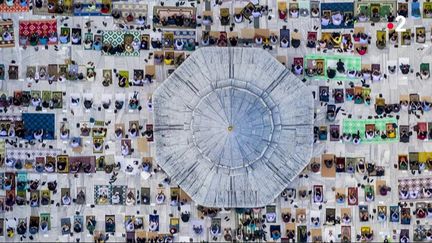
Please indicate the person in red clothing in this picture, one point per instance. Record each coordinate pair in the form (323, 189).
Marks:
(282, 14)
(361, 50)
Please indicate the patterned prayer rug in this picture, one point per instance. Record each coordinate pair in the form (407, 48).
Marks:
(40, 27)
(119, 38)
(7, 37)
(17, 6)
(36, 121)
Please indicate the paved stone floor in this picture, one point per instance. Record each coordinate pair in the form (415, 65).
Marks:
(383, 154)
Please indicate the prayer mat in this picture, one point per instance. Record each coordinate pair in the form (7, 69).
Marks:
(42, 28)
(154, 222)
(338, 96)
(2, 72)
(301, 215)
(145, 195)
(405, 216)
(22, 180)
(427, 10)
(303, 8)
(404, 34)
(298, 61)
(379, 8)
(224, 14)
(7, 36)
(34, 224)
(18, 6)
(216, 223)
(116, 38)
(168, 40)
(21, 198)
(316, 235)
(344, 8)
(394, 213)
(324, 93)
(351, 126)
(149, 127)
(318, 194)
(271, 210)
(118, 196)
(107, 77)
(323, 131)
(65, 226)
(93, 8)
(174, 224)
(346, 233)
(65, 192)
(414, 185)
(352, 196)
(13, 72)
(131, 197)
(81, 195)
(422, 127)
(175, 196)
(302, 233)
(138, 75)
(62, 164)
(78, 224)
(293, 7)
(379, 184)
(345, 212)
(64, 10)
(46, 97)
(403, 162)
(340, 164)
(247, 10)
(99, 141)
(314, 9)
(350, 63)
(187, 36)
(285, 35)
(368, 190)
(58, 97)
(35, 121)
(328, 165)
(45, 220)
(168, 13)
(420, 38)
(415, 10)
(88, 38)
(110, 225)
(84, 160)
(426, 159)
(130, 12)
(102, 194)
(275, 232)
(76, 36)
(52, 72)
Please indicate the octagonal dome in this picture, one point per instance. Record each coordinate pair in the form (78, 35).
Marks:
(233, 127)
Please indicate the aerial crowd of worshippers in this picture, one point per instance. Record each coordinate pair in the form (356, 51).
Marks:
(76, 135)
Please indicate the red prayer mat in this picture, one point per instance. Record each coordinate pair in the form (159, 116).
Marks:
(41, 27)
(16, 7)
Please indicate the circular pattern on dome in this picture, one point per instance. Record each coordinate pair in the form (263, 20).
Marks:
(233, 127)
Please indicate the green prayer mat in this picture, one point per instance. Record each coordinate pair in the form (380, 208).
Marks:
(351, 126)
(385, 7)
(351, 63)
(118, 37)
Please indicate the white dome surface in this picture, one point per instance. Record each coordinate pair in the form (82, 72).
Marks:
(233, 127)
